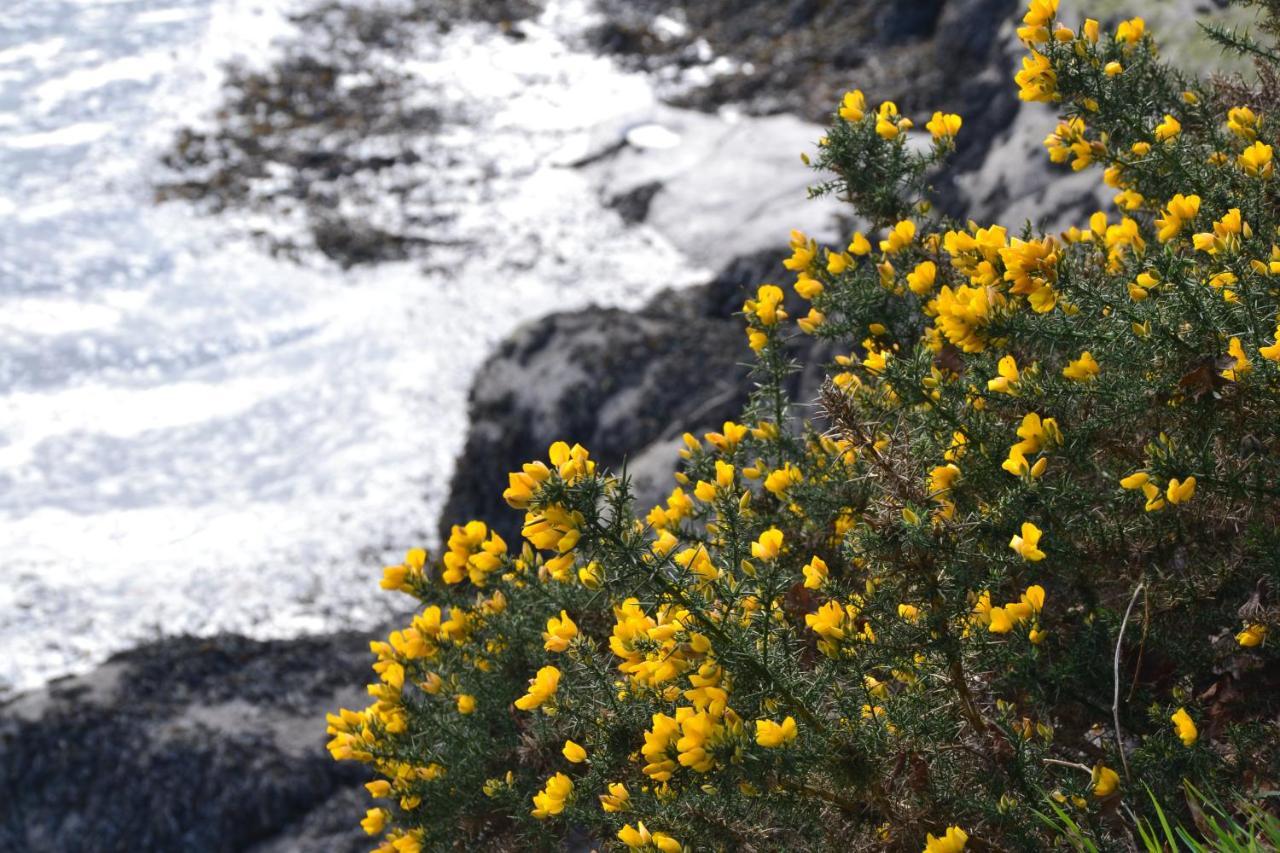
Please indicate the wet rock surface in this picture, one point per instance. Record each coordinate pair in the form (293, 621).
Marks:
(210, 744)
(334, 136)
(799, 57)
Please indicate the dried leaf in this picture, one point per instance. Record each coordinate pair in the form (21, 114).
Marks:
(949, 358)
(1205, 377)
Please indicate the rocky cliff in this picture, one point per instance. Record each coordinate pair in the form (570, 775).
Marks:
(188, 744)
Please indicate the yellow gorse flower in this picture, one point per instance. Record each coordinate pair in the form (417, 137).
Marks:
(374, 821)
(560, 632)
(1180, 491)
(1226, 234)
(617, 800)
(1007, 380)
(1256, 160)
(942, 480)
(772, 735)
(1037, 434)
(1082, 369)
(639, 838)
(944, 127)
(853, 107)
(542, 688)
(1037, 81)
(553, 797)
(405, 575)
(1105, 781)
(955, 838)
(1243, 122)
(1002, 620)
(961, 315)
(1131, 31)
(815, 573)
(1026, 543)
(899, 237)
(1240, 364)
(767, 305)
(730, 436)
(1035, 23)
(1185, 727)
(574, 752)
(1252, 636)
(1068, 142)
(1177, 213)
(889, 124)
(768, 546)
(474, 553)
(524, 484)
(921, 279)
(782, 479)
(828, 621)
(1167, 129)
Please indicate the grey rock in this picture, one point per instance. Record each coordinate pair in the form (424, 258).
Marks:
(330, 826)
(187, 744)
(898, 22)
(610, 380)
(724, 186)
(633, 204)
(786, 50)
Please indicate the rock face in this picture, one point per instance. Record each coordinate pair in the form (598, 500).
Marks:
(617, 382)
(719, 188)
(188, 744)
(800, 56)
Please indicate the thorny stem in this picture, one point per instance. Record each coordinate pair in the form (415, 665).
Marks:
(971, 713)
(906, 491)
(955, 668)
(835, 799)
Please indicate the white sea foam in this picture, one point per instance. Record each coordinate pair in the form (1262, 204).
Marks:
(195, 436)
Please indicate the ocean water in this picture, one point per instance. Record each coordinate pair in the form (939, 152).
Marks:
(196, 436)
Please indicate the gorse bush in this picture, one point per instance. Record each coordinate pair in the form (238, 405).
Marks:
(1020, 560)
